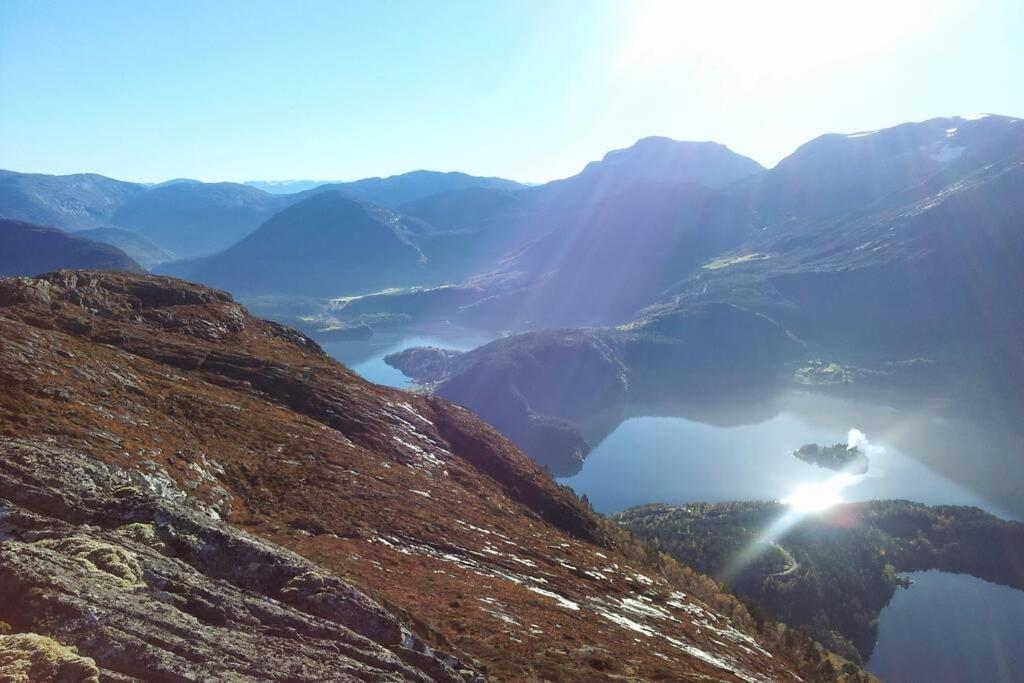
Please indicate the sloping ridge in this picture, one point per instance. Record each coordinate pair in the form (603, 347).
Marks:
(189, 493)
(30, 249)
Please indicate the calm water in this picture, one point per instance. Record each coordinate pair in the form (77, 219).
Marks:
(747, 455)
(945, 628)
(367, 357)
(741, 449)
(951, 628)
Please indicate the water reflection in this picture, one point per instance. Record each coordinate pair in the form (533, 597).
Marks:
(950, 628)
(741, 450)
(737, 445)
(367, 357)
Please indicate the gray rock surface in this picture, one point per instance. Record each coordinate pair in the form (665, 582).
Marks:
(152, 590)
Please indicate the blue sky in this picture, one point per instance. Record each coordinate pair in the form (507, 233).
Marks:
(526, 89)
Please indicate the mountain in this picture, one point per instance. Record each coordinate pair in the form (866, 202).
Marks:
(834, 174)
(286, 186)
(541, 389)
(83, 200)
(871, 241)
(326, 245)
(28, 249)
(654, 160)
(193, 219)
(523, 236)
(397, 190)
(136, 246)
(194, 494)
(887, 243)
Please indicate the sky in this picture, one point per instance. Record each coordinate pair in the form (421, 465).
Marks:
(531, 90)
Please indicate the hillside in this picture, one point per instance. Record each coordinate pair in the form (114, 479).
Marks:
(82, 200)
(541, 388)
(326, 245)
(29, 249)
(192, 218)
(832, 572)
(210, 474)
(146, 252)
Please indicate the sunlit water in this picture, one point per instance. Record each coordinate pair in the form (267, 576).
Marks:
(675, 460)
(951, 628)
(367, 357)
(946, 627)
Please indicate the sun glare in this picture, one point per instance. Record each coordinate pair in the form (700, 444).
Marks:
(740, 38)
(820, 495)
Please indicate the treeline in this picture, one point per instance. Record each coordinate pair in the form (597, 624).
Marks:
(811, 661)
(831, 573)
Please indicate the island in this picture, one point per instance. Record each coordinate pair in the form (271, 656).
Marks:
(839, 457)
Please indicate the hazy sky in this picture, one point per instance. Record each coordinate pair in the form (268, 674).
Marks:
(530, 90)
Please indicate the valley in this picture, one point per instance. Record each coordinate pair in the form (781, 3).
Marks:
(587, 395)
(617, 341)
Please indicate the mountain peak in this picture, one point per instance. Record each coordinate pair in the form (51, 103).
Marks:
(659, 159)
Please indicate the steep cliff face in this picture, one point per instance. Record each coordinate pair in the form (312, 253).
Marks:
(188, 493)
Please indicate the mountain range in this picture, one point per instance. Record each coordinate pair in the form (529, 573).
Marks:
(869, 248)
(190, 492)
(192, 218)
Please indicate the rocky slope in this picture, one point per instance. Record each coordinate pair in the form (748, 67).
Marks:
(190, 493)
(30, 249)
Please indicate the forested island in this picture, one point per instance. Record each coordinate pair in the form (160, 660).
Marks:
(839, 457)
(831, 573)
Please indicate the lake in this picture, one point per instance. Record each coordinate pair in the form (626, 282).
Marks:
(945, 627)
(741, 448)
(367, 357)
(951, 628)
(676, 459)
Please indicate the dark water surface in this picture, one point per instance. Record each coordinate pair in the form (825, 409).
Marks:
(367, 357)
(944, 628)
(951, 628)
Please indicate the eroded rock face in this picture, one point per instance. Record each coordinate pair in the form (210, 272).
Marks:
(189, 493)
(28, 657)
(156, 591)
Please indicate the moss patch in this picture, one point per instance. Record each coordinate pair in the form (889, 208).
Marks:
(142, 533)
(27, 657)
(101, 557)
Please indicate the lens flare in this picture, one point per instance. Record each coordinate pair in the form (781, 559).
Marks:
(819, 496)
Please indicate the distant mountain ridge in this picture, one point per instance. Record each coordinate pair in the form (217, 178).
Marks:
(193, 218)
(657, 224)
(146, 252)
(392, 191)
(325, 244)
(30, 249)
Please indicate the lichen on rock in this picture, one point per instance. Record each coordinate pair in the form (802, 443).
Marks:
(96, 556)
(30, 657)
